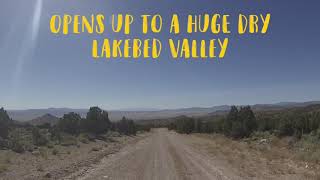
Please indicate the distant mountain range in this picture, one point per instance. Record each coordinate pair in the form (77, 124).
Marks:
(143, 114)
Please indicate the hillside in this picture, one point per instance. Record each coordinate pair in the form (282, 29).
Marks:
(47, 118)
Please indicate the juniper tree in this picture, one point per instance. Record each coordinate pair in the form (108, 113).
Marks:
(97, 121)
(4, 123)
(69, 123)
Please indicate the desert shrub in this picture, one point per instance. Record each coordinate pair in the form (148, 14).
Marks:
(44, 126)
(197, 126)
(68, 140)
(248, 120)
(126, 127)
(185, 124)
(43, 152)
(3, 168)
(84, 138)
(16, 145)
(286, 127)
(218, 126)
(232, 117)
(316, 133)
(290, 122)
(4, 123)
(314, 120)
(308, 148)
(3, 143)
(172, 126)
(243, 122)
(267, 123)
(39, 139)
(16, 142)
(261, 134)
(95, 149)
(143, 127)
(55, 134)
(237, 130)
(238, 123)
(207, 127)
(50, 145)
(55, 151)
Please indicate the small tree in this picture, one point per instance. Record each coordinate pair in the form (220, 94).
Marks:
(127, 127)
(197, 126)
(132, 128)
(4, 123)
(97, 121)
(242, 122)
(231, 118)
(237, 131)
(185, 124)
(69, 123)
(172, 126)
(286, 126)
(15, 142)
(248, 120)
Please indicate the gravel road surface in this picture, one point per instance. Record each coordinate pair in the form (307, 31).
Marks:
(161, 156)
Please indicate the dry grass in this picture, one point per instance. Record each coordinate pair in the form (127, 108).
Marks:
(5, 160)
(70, 155)
(3, 168)
(273, 159)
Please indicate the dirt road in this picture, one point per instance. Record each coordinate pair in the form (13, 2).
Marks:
(163, 155)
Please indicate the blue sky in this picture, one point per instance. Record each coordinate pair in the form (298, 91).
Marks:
(40, 70)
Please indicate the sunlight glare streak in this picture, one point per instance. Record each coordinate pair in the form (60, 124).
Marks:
(28, 45)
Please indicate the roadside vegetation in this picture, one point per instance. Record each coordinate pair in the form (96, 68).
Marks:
(294, 130)
(238, 123)
(71, 130)
(242, 122)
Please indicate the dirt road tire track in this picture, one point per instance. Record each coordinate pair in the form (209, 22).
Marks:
(162, 156)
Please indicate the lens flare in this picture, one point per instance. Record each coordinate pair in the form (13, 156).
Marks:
(27, 45)
(36, 20)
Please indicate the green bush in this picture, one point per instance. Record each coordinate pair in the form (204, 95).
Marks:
(185, 125)
(43, 152)
(68, 140)
(39, 139)
(238, 123)
(16, 142)
(4, 123)
(84, 138)
(16, 145)
(127, 127)
(237, 130)
(286, 127)
(3, 143)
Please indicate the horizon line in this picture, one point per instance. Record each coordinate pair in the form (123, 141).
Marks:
(158, 109)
